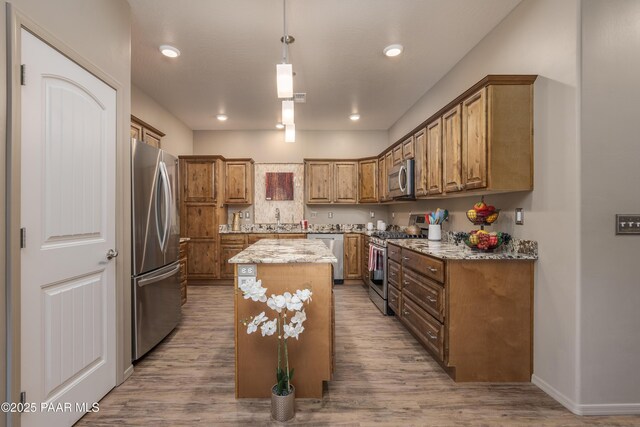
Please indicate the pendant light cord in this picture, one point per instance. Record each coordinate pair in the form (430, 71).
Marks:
(285, 46)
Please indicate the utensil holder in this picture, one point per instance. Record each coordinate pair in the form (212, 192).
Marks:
(435, 232)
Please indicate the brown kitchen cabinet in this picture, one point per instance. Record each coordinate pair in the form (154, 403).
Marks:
(408, 148)
(230, 246)
(382, 179)
(183, 259)
(388, 160)
(352, 257)
(345, 178)
(420, 165)
(397, 154)
(238, 182)
(368, 173)
(473, 317)
(434, 157)
(200, 214)
(365, 259)
(331, 181)
(452, 150)
(144, 132)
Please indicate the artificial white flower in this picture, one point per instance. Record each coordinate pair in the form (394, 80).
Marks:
(269, 328)
(304, 295)
(277, 303)
(293, 302)
(291, 331)
(253, 290)
(253, 325)
(299, 317)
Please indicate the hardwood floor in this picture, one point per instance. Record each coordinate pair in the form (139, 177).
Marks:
(382, 377)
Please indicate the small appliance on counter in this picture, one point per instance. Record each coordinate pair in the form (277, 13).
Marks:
(235, 223)
(381, 225)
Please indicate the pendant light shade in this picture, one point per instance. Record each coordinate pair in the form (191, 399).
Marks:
(290, 133)
(287, 112)
(284, 80)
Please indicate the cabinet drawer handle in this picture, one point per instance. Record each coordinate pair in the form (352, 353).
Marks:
(404, 282)
(393, 252)
(433, 337)
(393, 300)
(406, 258)
(431, 269)
(431, 299)
(392, 273)
(405, 313)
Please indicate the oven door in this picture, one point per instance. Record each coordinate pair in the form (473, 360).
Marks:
(378, 277)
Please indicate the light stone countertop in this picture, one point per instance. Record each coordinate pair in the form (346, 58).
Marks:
(287, 228)
(446, 250)
(275, 251)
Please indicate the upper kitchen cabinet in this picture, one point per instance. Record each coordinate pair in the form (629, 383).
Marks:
(434, 157)
(144, 132)
(368, 171)
(420, 166)
(345, 177)
(497, 135)
(389, 163)
(382, 178)
(198, 179)
(319, 181)
(397, 154)
(452, 149)
(238, 184)
(331, 181)
(408, 150)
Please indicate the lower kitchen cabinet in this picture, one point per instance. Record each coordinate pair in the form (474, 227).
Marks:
(365, 259)
(352, 257)
(473, 316)
(182, 258)
(230, 246)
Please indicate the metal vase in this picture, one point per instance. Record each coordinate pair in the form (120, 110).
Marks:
(283, 407)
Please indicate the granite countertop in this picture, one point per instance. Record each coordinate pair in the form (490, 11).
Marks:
(294, 229)
(450, 251)
(290, 251)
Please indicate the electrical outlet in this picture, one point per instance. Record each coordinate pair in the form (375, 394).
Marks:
(314, 214)
(372, 214)
(393, 214)
(519, 216)
(330, 214)
(627, 224)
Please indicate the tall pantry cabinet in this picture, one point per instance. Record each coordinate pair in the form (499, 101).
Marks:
(201, 210)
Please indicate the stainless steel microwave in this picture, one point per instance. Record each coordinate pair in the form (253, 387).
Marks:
(400, 182)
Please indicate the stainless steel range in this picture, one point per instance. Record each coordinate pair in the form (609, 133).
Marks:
(378, 286)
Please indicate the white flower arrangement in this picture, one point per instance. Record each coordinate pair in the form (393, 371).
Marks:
(283, 305)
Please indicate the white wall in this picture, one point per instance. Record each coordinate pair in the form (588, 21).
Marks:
(269, 147)
(610, 272)
(178, 139)
(538, 37)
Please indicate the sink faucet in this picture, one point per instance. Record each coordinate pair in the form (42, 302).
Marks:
(278, 217)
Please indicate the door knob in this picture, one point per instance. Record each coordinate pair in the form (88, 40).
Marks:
(111, 253)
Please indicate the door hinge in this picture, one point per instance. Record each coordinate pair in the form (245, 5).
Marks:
(23, 397)
(23, 238)
(23, 79)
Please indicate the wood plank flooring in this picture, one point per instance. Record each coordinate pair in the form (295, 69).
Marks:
(382, 377)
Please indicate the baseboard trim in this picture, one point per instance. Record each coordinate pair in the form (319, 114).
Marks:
(128, 372)
(586, 409)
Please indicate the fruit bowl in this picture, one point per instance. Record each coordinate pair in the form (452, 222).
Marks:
(484, 241)
(483, 217)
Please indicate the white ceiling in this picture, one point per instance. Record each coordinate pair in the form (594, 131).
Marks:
(230, 48)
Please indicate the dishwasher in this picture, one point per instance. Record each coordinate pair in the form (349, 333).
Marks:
(335, 242)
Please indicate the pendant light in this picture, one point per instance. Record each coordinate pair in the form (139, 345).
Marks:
(290, 133)
(287, 112)
(284, 71)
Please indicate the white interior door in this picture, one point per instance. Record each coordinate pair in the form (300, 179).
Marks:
(68, 210)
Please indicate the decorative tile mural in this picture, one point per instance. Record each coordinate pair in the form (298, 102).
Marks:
(292, 210)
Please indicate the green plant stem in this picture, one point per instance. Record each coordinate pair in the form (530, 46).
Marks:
(286, 360)
(279, 343)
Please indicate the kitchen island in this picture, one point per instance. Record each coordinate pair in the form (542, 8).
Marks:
(285, 265)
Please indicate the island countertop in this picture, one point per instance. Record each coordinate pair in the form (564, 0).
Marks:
(274, 251)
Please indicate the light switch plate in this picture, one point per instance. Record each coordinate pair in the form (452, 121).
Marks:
(519, 216)
(372, 214)
(330, 214)
(314, 214)
(627, 224)
(247, 215)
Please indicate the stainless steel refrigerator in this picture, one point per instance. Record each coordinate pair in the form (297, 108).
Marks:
(155, 283)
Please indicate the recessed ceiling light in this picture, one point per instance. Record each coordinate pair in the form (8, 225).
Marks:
(354, 117)
(169, 51)
(279, 126)
(393, 50)
(222, 117)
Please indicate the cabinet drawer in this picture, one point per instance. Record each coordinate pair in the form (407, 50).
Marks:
(394, 300)
(430, 267)
(394, 253)
(233, 239)
(252, 238)
(428, 294)
(292, 236)
(393, 274)
(427, 329)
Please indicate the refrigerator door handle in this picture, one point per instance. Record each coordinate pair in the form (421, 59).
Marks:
(164, 178)
(148, 281)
